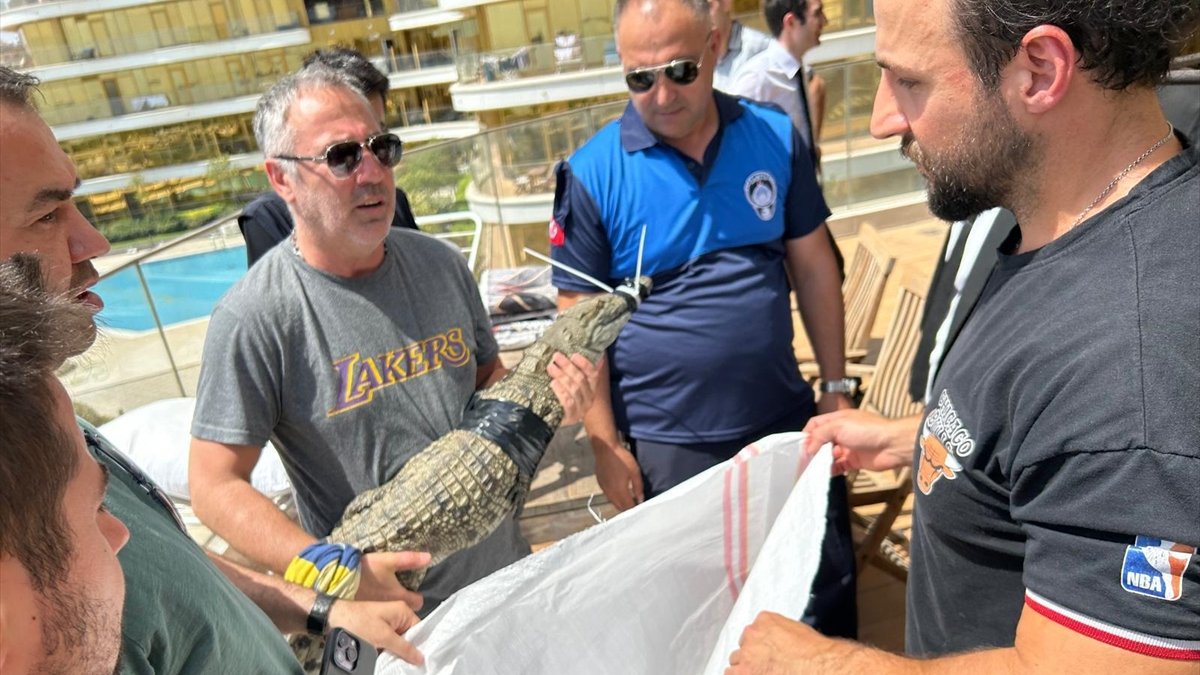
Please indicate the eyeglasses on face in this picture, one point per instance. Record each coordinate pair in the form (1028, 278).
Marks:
(344, 158)
(679, 71)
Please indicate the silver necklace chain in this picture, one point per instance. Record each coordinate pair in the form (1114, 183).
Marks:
(296, 247)
(1124, 172)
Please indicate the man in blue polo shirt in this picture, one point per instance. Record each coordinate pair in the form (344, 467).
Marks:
(732, 212)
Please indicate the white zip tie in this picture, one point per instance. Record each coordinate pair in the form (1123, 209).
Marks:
(570, 270)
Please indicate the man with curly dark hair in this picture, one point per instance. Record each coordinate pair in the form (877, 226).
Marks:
(1055, 526)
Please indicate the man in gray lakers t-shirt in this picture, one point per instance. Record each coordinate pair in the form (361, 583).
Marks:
(351, 349)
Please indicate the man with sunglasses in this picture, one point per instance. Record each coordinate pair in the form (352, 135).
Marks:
(185, 611)
(351, 347)
(266, 221)
(734, 220)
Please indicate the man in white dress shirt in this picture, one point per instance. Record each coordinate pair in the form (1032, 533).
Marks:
(776, 75)
(737, 43)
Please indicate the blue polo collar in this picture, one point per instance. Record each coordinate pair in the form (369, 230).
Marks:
(636, 136)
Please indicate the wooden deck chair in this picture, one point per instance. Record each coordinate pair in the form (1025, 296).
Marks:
(862, 290)
(887, 395)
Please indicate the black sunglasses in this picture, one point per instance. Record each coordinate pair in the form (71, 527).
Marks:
(103, 450)
(679, 71)
(343, 158)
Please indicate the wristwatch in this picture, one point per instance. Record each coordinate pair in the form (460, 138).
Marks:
(846, 385)
(318, 616)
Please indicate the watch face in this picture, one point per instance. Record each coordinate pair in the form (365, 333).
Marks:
(843, 386)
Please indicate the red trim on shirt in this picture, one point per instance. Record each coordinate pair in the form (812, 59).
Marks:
(1096, 633)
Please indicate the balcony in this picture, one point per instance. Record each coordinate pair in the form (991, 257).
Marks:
(573, 68)
(146, 110)
(570, 68)
(85, 67)
(22, 11)
(155, 109)
(419, 69)
(410, 14)
(176, 42)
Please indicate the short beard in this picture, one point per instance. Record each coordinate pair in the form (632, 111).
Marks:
(980, 170)
(78, 635)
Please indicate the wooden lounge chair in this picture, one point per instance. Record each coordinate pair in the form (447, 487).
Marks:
(862, 290)
(887, 395)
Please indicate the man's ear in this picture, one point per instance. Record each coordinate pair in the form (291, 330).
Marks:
(1043, 68)
(281, 181)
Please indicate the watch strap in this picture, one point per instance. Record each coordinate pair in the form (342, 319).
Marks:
(318, 616)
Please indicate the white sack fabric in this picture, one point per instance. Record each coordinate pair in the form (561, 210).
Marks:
(666, 587)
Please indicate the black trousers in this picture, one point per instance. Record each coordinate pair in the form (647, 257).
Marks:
(832, 606)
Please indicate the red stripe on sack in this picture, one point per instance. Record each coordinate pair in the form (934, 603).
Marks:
(1106, 637)
(727, 508)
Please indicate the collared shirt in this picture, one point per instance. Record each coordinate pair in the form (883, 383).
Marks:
(774, 76)
(743, 43)
(718, 319)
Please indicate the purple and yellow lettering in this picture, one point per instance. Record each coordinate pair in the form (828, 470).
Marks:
(369, 379)
(456, 352)
(395, 366)
(418, 365)
(347, 398)
(432, 350)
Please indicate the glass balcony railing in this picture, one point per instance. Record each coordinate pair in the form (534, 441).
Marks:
(176, 35)
(402, 63)
(102, 108)
(565, 53)
(856, 167)
(421, 115)
(406, 6)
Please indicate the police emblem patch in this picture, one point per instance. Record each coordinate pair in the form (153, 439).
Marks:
(762, 193)
(1154, 567)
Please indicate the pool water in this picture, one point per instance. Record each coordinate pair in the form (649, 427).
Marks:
(183, 288)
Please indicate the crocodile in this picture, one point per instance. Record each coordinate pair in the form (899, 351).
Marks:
(458, 489)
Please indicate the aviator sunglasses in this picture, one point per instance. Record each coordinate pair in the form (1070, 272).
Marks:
(343, 158)
(679, 71)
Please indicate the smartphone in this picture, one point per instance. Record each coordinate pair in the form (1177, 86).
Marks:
(345, 652)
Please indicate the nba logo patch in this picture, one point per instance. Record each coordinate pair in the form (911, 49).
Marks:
(1154, 567)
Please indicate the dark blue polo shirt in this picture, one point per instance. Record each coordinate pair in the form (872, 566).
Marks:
(708, 357)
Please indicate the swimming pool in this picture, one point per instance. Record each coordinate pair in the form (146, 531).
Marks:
(183, 288)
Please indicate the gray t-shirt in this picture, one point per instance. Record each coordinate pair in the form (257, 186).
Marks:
(349, 378)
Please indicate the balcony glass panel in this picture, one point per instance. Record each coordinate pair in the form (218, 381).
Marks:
(92, 43)
(566, 53)
(857, 167)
